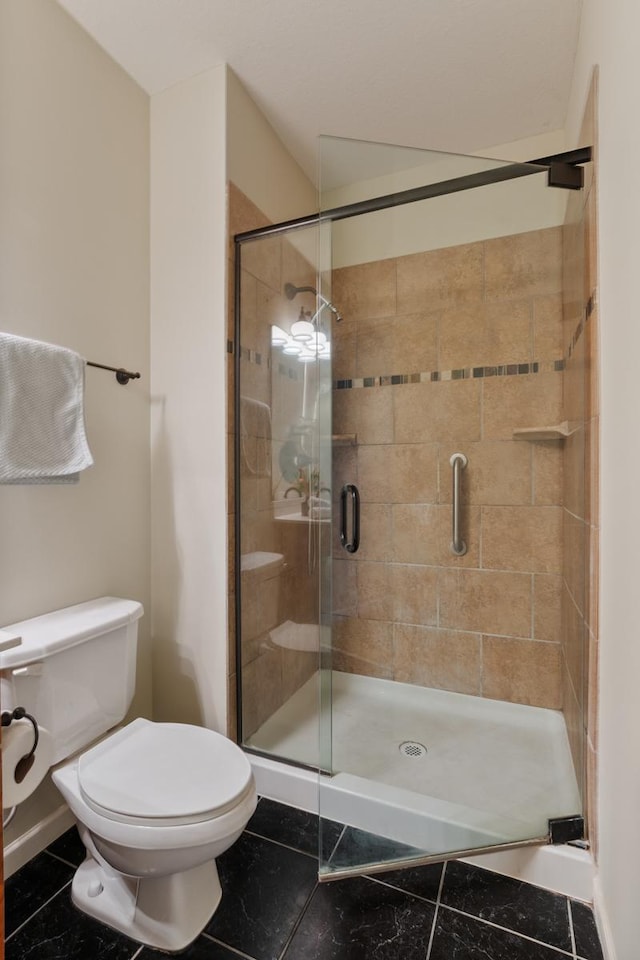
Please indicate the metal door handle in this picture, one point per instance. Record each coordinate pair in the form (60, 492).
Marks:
(350, 490)
(458, 462)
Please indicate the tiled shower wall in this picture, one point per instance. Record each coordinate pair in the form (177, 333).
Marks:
(452, 350)
(580, 636)
(438, 352)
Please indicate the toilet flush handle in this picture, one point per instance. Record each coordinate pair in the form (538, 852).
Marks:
(31, 670)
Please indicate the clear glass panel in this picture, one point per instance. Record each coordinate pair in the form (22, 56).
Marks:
(576, 524)
(283, 488)
(444, 682)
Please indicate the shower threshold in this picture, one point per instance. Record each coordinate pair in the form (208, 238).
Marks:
(492, 772)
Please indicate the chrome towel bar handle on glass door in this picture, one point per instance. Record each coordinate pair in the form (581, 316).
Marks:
(458, 462)
(350, 490)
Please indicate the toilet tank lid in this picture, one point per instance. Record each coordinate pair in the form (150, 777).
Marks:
(52, 632)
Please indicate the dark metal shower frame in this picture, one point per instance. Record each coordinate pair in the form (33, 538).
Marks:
(563, 170)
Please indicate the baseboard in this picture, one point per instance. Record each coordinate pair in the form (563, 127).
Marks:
(34, 841)
(602, 922)
(563, 869)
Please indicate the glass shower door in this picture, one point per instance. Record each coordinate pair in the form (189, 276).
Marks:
(446, 659)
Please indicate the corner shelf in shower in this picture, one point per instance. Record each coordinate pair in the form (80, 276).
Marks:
(301, 518)
(344, 439)
(559, 431)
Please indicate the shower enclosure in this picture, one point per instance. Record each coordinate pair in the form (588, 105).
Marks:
(409, 470)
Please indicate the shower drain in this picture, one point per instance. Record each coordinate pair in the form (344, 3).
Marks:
(411, 748)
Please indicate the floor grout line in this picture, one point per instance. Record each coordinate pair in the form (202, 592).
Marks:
(571, 930)
(297, 923)
(409, 893)
(56, 856)
(515, 933)
(435, 915)
(227, 946)
(41, 907)
(278, 843)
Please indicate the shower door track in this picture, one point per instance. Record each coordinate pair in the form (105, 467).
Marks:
(300, 764)
(372, 869)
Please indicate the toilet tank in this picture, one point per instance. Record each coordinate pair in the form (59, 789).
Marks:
(75, 670)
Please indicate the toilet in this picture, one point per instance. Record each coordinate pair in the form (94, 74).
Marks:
(155, 803)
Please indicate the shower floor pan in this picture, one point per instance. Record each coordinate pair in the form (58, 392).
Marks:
(490, 772)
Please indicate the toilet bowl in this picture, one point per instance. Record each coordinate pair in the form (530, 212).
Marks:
(155, 803)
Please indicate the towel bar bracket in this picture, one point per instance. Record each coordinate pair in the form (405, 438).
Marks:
(122, 376)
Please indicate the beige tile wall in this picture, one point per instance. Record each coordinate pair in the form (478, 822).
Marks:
(580, 636)
(487, 623)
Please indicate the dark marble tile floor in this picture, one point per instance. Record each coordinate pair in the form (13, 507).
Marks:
(273, 908)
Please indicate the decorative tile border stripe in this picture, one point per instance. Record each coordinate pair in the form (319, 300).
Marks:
(432, 376)
(257, 358)
(435, 376)
(251, 356)
(442, 376)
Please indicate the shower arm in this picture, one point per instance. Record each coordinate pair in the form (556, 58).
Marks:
(325, 303)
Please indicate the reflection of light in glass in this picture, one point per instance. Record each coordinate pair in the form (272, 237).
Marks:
(306, 350)
(279, 338)
(320, 348)
(302, 330)
(307, 356)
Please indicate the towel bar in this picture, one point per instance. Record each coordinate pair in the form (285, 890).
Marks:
(122, 376)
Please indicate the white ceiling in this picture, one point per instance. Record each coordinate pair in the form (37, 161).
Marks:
(457, 75)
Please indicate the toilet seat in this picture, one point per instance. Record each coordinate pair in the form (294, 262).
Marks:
(164, 774)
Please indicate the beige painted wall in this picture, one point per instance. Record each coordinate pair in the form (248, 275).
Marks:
(258, 162)
(202, 131)
(609, 38)
(188, 420)
(74, 271)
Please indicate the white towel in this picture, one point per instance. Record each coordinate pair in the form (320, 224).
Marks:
(42, 434)
(255, 418)
(255, 435)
